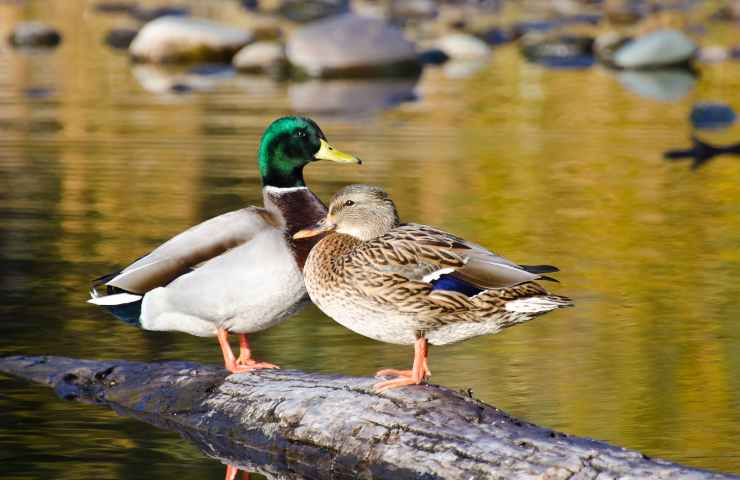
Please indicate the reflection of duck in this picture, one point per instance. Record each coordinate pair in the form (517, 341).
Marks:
(701, 152)
(413, 284)
(239, 272)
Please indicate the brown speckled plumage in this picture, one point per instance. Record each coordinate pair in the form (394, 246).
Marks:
(382, 287)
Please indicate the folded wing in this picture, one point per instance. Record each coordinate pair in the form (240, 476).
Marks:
(189, 249)
(426, 254)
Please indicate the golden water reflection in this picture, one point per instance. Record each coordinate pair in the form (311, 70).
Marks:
(542, 166)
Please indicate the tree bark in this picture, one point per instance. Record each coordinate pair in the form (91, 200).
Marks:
(290, 424)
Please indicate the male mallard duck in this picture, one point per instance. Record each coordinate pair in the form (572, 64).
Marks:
(239, 272)
(413, 284)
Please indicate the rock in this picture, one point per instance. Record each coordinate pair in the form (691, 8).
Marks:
(558, 51)
(522, 28)
(712, 116)
(350, 97)
(495, 36)
(462, 46)
(413, 10)
(250, 5)
(120, 38)
(583, 19)
(114, 7)
(625, 12)
(433, 56)
(607, 44)
(663, 85)
(181, 39)
(459, 69)
(352, 46)
(38, 92)
(143, 14)
(262, 57)
(267, 28)
(713, 54)
(34, 34)
(729, 12)
(659, 49)
(303, 11)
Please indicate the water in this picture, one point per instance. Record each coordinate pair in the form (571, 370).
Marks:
(98, 166)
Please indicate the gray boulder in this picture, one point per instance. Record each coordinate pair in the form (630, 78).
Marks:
(120, 38)
(34, 34)
(462, 46)
(261, 57)
(413, 10)
(303, 11)
(659, 49)
(182, 39)
(351, 46)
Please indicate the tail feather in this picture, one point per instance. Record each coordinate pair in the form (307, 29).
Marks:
(538, 304)
(540, 268)
(124, 306)
(528, 297)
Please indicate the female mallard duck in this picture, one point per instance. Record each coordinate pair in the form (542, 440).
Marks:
(239, 272)
(413, 284)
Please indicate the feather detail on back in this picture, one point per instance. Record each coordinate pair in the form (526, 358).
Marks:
(418, 251)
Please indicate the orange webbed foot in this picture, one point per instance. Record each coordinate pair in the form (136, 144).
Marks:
(392, 372)
(415, 376)
(395, 383)
(255, 365)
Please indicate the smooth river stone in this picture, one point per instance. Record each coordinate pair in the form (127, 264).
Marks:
(462, 46)
(349, 45)
(662, 48)
(183, 39)
(34, 34)
(261, 57)
(712, 116)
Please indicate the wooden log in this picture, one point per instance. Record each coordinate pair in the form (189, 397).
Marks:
(330, 426)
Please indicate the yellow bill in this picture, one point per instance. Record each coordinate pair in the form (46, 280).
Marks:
(322, 227)
(327, 152)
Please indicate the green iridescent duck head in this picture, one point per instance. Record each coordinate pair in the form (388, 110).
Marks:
(288, 145)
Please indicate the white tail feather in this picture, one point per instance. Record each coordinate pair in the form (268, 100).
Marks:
(538, 304)
(117, 299)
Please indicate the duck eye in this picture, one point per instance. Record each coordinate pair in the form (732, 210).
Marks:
(349, 203)
(301, 133)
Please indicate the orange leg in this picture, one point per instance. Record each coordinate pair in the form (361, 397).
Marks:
(232, 470)
(245, 355)
(245, 363)
(415, 376)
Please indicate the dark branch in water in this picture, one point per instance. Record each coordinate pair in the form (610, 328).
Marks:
(328, 426)
(702, 152)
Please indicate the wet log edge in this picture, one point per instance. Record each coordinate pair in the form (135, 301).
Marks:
(330, 426)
